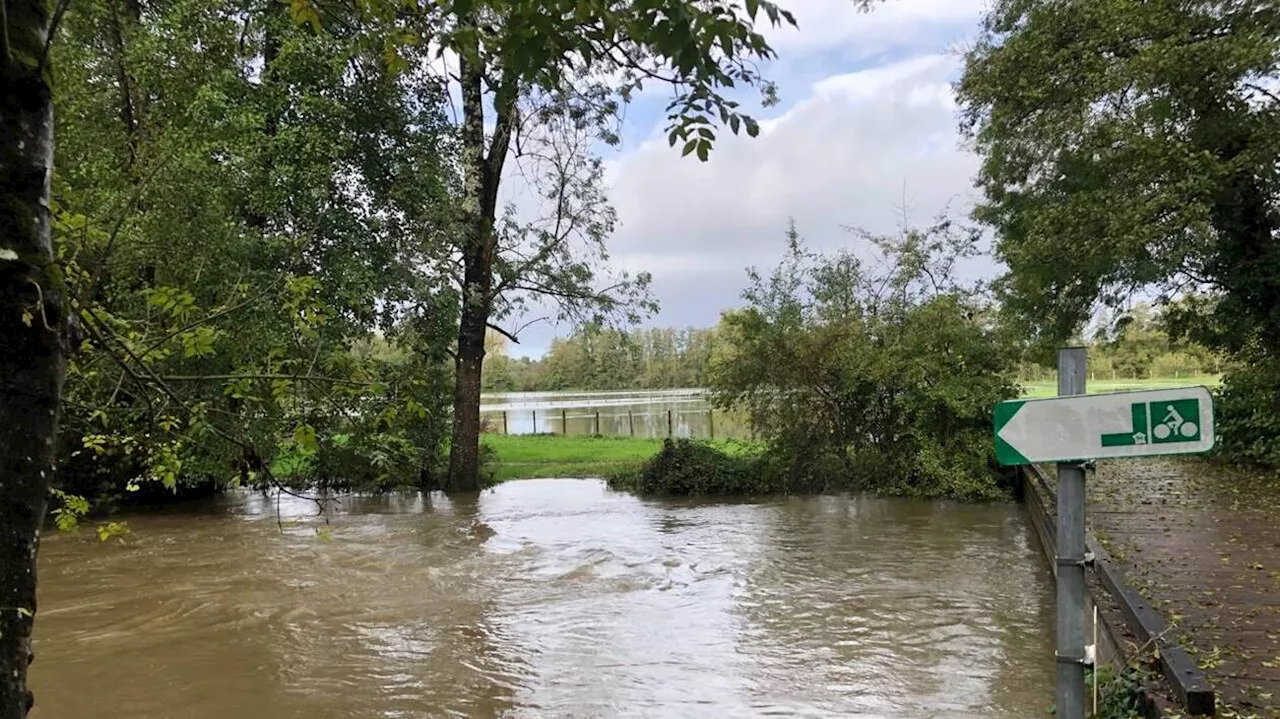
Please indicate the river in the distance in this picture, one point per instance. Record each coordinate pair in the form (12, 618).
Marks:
(549, 598)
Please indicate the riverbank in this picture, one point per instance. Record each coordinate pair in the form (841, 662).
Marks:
(534, 456)
(537, 456)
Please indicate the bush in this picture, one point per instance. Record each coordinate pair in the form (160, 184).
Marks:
(691, 469)
(1248, 413)
(861, 381)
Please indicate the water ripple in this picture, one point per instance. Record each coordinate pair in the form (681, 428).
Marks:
(551, 599)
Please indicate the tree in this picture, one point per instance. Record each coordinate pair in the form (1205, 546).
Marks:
(32, 332)
(1128, 147)
(530, 64)
(260, 200)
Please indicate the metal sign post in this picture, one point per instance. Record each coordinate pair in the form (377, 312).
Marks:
(1070, 429)
(1070, 653)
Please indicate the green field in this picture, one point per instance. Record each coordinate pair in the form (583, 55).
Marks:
(1099, 386)
(545, 455)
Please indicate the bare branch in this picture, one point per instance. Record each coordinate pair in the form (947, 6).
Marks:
(502, 332)
(272, 376)
(1263, 90)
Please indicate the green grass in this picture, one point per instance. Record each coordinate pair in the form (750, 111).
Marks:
(545, 455)
(1050, 388)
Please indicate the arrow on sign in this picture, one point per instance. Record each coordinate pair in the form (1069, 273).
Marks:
(1099, 426)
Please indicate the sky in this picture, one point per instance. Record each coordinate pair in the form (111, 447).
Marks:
(866, 131)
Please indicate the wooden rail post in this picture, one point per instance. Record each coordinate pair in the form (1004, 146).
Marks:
(535, 421)
(564, 422)
(670, 433)
(597, 421)
(711, 423)
(631, 423)
(504, 422)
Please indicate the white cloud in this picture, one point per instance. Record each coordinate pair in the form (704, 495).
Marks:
(827, 24)
(848, 152)
(846, 155)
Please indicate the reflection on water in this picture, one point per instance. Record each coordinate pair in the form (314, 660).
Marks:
(550, 598)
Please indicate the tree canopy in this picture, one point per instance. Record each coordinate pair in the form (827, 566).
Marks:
(1131, 147)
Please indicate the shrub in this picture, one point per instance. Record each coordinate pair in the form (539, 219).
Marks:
(689, 468)
(879, 382)
(1248, 413)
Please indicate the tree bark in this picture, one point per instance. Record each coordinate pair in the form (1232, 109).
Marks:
(32, 343)
(479, 203)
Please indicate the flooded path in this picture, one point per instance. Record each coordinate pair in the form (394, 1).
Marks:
(550, 598)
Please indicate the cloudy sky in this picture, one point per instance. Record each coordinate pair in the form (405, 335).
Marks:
(867, 119)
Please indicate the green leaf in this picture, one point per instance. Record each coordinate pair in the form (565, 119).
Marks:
(304, 436)
(753, 128)
(689, 147)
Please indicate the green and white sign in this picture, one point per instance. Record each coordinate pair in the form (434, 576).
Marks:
(1098, 426)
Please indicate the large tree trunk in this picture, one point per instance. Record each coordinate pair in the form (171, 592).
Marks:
(464, 448)
(477, 282)
(31, 339)
(479, 205)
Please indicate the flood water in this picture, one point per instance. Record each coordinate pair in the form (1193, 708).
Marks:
(549, 598)
(634, 413)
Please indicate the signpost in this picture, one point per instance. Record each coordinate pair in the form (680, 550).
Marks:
(1103, 426)
(1072, 429)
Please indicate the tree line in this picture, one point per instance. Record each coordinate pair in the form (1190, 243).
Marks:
(595, 357)
(1133, 343)
(1136, 343)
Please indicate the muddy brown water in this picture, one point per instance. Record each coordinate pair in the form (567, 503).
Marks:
(549, 598)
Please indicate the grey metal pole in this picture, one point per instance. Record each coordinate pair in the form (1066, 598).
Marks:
(1070, 559)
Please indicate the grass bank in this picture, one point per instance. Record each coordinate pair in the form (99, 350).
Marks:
(532, 456)
(1049, 388)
